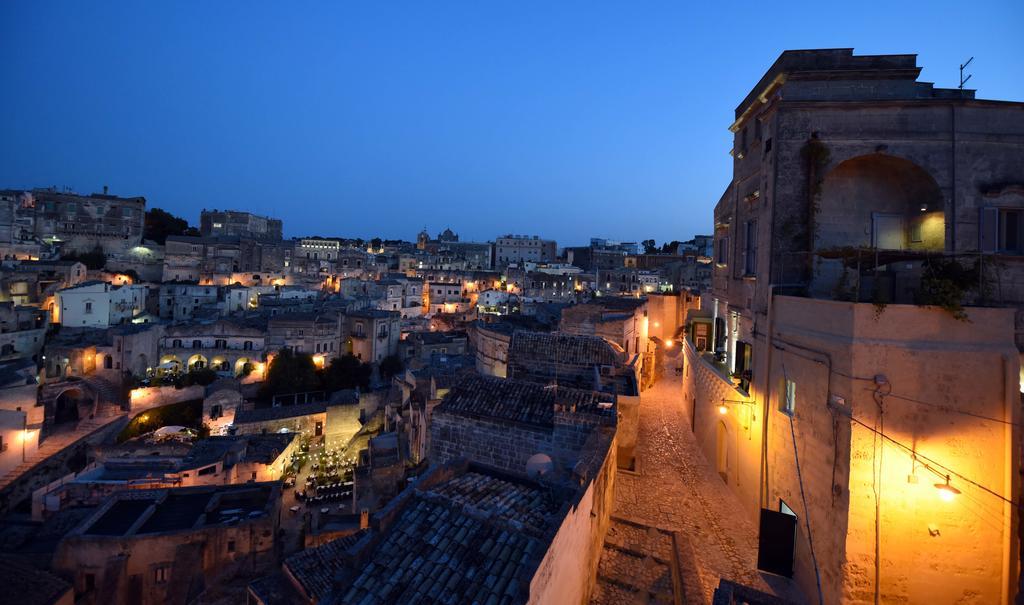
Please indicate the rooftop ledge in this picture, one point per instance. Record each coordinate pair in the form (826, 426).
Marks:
(986, 327)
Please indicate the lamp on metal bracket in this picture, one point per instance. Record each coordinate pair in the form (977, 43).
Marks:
(723, 406)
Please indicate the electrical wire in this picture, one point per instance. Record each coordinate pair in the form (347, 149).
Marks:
(803, 498)
(944, 408)
(932, 461)
(955, 411)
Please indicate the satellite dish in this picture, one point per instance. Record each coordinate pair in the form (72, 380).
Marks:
(539, 465)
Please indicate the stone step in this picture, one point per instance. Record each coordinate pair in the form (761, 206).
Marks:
(643, 573)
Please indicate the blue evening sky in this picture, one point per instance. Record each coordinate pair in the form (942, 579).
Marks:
(567, 120)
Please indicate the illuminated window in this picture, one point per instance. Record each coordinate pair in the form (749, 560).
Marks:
(160, 575)
(788, 403)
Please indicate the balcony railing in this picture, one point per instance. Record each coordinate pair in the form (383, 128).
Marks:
(901, 277)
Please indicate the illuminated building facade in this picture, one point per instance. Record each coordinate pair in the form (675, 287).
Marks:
(858, 395)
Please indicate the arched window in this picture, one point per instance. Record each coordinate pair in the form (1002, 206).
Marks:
(197, 344)
(247, 345)
(176, 344)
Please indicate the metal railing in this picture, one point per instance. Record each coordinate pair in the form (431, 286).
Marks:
(901, 276)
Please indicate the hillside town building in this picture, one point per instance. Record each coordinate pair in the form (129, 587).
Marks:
(833, 371)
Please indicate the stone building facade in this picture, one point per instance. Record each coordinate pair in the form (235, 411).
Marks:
(521, 248)
(178, 541)
(869, 219)
(229, 347)
(215, 223)
(76, 223)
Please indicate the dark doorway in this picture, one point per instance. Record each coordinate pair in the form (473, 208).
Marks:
(67, 406)
(319, 429)
(775, 543)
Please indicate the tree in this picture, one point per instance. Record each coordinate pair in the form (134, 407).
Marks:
(160, 224)
(650, 246)
(95, 259)
(376, 243)
(391, 366)
(201, 376)
(290, 373)
(347, 372)
(670, 247)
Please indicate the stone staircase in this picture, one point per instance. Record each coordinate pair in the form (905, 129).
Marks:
(56, 443)
(638, 565)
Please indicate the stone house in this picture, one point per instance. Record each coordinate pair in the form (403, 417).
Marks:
(847, 308)
(230, 347)
(22, 331)
(318, 334)
(373, 334)
(168, 545)
(97, 304)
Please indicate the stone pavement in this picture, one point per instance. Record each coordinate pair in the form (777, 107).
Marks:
(676, 494)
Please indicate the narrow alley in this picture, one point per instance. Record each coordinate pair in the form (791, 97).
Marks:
(674, 511)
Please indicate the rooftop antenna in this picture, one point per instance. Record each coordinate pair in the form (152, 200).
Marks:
(963, 80)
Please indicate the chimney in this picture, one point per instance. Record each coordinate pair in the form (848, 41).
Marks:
(105, 189)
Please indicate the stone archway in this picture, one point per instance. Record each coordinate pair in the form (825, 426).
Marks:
(880, 201)
(66, 406)
(197, 362)
(243, 365)
(220, 363)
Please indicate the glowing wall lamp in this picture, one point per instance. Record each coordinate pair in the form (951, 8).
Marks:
(723, 409)
(946, 491)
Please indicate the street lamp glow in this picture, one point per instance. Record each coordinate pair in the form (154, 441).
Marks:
(723, 409)
(946, 491)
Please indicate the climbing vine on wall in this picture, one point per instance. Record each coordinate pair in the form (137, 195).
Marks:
(815, 156)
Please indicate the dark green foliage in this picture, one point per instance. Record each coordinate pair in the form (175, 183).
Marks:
(160, 224)
(347, 372)
(94, 259)
(201, 377)
(945, 282)
(290, 373)
(391, 366)
(185, 413)
(650, 246)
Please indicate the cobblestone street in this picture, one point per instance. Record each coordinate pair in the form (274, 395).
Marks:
(675, 491)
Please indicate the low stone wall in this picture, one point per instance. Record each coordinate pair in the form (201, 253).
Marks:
(566, 573)
(152, 397)
(54, 467)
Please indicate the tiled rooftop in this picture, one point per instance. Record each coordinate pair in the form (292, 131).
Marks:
(26, 585)
(316, 568)
(569, 349)
(436, 553)
(516, 502)
(515, 401)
